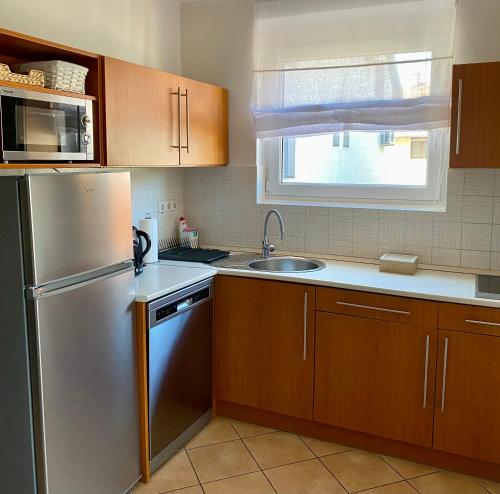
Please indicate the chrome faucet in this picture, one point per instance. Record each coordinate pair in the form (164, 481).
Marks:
(267, 247)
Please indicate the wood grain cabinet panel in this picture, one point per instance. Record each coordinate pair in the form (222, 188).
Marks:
(377, 306)
(375, 376)
(264, 344)
(141, 115)
(467, 408)
(470, 319)
(204, 125)
(474, 116)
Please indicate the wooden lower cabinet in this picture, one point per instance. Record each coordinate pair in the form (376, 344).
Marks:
(375, 376)
(264, 344)
(467, 409)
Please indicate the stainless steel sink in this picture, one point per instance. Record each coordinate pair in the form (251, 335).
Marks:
(286, 264)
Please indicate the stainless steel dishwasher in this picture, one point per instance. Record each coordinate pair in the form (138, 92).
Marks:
(180, 339)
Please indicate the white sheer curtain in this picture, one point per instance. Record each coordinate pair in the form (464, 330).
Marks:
(330, 65)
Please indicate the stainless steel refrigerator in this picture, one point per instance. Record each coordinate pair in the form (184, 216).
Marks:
(68, 390)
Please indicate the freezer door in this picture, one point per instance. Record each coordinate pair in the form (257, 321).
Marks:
(86, 406)
(76, 223)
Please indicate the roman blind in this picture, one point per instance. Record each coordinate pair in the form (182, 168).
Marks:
(371, 65)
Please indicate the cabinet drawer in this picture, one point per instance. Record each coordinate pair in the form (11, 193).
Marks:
(470, 318)
(377, 306)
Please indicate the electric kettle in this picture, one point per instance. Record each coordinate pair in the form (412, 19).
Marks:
(139, 251)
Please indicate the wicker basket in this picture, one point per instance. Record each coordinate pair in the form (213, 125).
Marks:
(33, 78)
(61, 75)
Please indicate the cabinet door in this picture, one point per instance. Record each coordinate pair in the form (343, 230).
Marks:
(466, 418)
(264, 344)
(203, 124)
(375, 376)
(474, 119)
(141, 115)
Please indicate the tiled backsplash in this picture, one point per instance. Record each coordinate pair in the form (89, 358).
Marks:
(151, 185)
(221, 202)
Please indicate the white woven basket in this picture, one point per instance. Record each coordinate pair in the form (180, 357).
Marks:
(58, 74)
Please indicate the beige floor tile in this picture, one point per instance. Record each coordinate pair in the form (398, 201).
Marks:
(409, 469)
(397, 488)
(222, 460)
(358, 470)
(245, 429)
(305, 477)
(490, 486)
(188, 490)
(277, 448)
(252, 483)
(323, 448)
(446, 483)
(217, 431)
(177, 473)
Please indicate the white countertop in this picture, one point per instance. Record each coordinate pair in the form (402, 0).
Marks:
(168, 276)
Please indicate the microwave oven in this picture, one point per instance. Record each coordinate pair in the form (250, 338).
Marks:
(36, 126)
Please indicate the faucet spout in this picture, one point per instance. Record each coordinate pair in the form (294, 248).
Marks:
(267, 247)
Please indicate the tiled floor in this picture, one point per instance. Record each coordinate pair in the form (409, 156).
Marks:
(231, 457)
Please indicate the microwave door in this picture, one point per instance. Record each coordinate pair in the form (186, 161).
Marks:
(44, 127)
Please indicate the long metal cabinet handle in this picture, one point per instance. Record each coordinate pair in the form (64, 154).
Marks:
(371, 307)
(426, 369)
(473, 321)
(459, 115)
(445, 367)
(179, 117)
(305, 326)
(186, 95)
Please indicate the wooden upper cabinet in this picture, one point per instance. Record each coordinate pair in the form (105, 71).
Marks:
(141, 115)
(204, 124)
(466, 419)
(264, 344)
(475, 124)
(375, 376)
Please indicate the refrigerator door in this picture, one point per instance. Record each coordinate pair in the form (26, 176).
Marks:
(87, 433)
(76, 223)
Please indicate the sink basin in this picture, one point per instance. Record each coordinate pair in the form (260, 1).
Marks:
(287, 264)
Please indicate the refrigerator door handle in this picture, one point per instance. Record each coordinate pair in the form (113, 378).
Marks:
(73, 282)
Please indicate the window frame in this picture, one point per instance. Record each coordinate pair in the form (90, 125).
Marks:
(270, 189)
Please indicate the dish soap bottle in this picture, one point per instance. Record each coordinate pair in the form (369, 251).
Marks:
(188, 235)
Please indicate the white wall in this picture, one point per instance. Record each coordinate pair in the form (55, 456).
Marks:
(141, 31)
(217, 47)
(146, 32)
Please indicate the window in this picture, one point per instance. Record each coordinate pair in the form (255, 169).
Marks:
(351, 102)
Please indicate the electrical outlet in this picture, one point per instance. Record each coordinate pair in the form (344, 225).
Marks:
(162, 206)
(171, 205)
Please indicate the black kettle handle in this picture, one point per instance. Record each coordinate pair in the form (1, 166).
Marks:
(147, 238)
